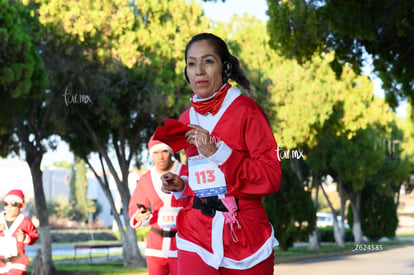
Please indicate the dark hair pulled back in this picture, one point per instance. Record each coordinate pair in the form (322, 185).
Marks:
(221, 49)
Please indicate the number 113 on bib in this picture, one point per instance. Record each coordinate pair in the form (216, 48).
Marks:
(205, 177)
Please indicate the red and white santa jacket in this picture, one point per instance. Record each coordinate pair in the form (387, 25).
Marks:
(164, 208)
(248, 157)
(12, 254)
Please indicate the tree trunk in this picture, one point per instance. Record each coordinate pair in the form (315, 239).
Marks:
(130, 250)
(343, 202)
(356, 210)
(314, 242)
(33, 159)
(339, 235)
(132, 255)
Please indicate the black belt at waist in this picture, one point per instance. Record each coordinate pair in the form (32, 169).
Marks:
(10, 259)
(164, 233)
(210, 205)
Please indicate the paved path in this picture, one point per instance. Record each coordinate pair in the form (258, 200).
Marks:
(392, 261)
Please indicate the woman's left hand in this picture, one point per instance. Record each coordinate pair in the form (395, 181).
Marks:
(201, 139)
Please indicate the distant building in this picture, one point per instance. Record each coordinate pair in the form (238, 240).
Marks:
(56, 183)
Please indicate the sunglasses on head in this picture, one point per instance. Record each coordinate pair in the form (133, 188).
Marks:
(12, 203)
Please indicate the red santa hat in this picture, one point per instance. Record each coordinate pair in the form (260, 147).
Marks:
(15, 195)
(154, 145)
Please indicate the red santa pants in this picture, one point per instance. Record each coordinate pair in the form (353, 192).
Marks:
(190, 263)
(161, 266)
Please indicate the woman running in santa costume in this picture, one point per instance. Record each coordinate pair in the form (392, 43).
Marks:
(233, 163)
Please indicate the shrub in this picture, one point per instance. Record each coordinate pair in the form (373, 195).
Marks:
(141, 233)
(379, 216)
(326, 234)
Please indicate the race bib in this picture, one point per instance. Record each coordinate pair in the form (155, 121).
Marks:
(205, 178)
(167, 217)
(8, 247)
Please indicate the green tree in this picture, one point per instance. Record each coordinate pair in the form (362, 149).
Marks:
(313, 106)
(355, 160)
(353, 114)
(298, 124)
(396, 166)
(318, 160)
(407, 145)
(247, 39)
(383, 29)
(378, 212)
(78, 188)
(353, 109)
(290, 210)
(306, 102)
(25, 128)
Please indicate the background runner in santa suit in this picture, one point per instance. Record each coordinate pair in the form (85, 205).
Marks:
(16, 231)
(233, 163)
(159, 208)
